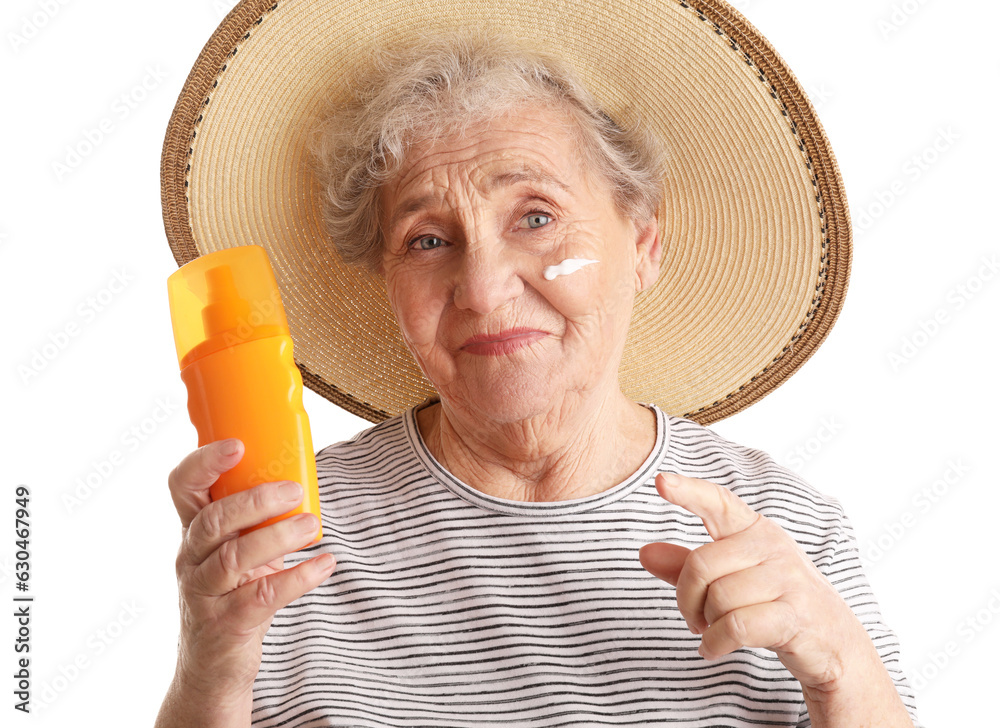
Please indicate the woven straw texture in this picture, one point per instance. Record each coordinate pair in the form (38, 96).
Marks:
(755, 227)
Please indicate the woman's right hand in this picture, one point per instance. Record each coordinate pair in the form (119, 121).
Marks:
(230, 585)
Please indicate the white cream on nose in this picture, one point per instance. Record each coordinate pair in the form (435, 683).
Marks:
(570, 265)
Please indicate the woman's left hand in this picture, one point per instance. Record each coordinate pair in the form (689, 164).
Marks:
(753, 586)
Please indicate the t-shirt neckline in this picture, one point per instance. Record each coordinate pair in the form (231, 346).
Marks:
(647, 470)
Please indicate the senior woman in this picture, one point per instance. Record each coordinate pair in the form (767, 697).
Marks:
(497, 542)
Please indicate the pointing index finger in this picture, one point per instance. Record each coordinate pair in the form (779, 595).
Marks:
(722, 511)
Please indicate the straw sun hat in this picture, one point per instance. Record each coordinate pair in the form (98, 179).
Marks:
(755, 227)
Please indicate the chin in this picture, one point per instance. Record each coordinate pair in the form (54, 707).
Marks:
(506, 401)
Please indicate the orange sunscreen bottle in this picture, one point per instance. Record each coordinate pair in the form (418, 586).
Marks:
(235, 354)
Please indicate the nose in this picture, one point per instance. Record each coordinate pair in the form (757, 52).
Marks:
(487, 278)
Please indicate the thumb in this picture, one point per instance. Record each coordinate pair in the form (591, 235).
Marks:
(664, 560)
(190, 482)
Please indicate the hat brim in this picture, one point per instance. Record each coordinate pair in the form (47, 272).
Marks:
(755, 226)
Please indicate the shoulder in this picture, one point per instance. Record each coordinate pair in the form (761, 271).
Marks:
(767, 486)
(371, 445)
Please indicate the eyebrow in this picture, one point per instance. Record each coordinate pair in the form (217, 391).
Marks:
(523, 174)
(506, 178)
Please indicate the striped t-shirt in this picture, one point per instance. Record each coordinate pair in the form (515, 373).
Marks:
(449, 607)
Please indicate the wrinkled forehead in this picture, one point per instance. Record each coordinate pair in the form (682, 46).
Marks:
(526, 145)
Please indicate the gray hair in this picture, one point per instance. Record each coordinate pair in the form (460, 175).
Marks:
(441, 86)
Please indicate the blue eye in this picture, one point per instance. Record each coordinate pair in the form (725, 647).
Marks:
(428, 242)
(537, 220)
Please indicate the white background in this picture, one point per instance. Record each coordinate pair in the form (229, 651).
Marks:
(895, 422)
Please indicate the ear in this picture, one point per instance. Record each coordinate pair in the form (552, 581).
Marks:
(649, 251)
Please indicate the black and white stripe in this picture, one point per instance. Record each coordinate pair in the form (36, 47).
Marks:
(452, 608)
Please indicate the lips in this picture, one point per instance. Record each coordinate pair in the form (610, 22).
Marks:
(504, 342)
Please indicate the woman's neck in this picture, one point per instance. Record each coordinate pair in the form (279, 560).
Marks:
(570, 452)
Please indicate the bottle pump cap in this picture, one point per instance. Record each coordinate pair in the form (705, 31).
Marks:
(224, 299)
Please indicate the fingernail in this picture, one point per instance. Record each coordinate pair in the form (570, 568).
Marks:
(305, 522)
(229, 447)
(325, 562)
(671, 479)
(291, 492)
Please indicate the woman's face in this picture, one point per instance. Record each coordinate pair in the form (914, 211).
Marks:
(470, 225)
